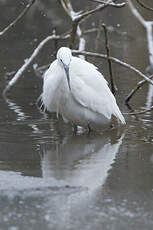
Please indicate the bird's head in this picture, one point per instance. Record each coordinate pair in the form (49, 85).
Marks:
(64, 57)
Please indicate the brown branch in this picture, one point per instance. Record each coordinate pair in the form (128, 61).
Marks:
(98, 35)
(134, 90)
(113, 88)
(19, 17)
(144, 6)
(115, 60)
(73, 34)
(30, 60)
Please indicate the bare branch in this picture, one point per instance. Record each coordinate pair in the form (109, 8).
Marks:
(19, 17)
(118, 5)
(98, 8)
(144, 6)
(97, 40)
(148, 26)
(30, 60)
(115, 60)
(77, 17)
(134, 90)
(113, 88)
(136, 13)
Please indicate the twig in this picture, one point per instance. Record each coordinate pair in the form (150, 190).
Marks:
(134, 90)
(98, 35)
(111, 3)
(82, 41)
(55, 41)
(115, 60)
(144, 6)
(77, 17)
(99, 8)
(140, 112)
(21, 15)
(113, 88)
(30, 60)
(40, 70)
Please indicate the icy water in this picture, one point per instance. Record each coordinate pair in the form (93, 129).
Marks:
(51, 179)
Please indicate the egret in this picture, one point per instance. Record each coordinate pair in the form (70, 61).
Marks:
(75, 89)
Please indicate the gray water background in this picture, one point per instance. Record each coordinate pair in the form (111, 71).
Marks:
(51, 178)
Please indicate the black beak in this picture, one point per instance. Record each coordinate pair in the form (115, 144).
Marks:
(67, 75)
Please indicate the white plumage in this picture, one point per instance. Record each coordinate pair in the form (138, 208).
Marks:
(76, 90)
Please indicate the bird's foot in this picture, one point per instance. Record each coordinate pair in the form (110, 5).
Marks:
(75, 129)
(89, 129)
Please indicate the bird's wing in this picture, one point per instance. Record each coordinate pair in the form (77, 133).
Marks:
(90, 89)
(51, 80)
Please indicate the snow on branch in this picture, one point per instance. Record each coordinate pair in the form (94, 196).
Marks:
(115, 60)
(30, 60)
(19, 17)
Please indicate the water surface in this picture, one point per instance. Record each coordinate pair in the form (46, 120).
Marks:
(51, 178)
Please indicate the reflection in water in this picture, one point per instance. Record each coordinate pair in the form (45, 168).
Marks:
(123, 202)
(17, 109)
(21, 115)
(80, 160)
(149, 97)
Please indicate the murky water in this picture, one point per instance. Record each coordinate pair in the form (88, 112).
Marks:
(51, 178)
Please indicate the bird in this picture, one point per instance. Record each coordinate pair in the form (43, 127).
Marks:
(74, 89)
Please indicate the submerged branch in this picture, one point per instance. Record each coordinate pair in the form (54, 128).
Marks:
(115, 60)
(20, 16)
(134, 90)
(140, 112)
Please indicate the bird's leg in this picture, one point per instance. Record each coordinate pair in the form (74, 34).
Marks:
(89, 129)
(75, 129)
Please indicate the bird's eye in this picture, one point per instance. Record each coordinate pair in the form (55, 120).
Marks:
(61, 60)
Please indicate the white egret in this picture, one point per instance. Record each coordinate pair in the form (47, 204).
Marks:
(76, 90)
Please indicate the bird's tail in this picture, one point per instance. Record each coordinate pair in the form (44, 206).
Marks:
(119, 116)
(40, 104)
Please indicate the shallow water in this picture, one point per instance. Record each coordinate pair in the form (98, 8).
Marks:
(53, 179)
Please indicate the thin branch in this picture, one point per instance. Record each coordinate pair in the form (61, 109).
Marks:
(98, 35)
(113, 88)
(144, 6)
(19, 17)
(136, 13)
(134, 90)
(82, 41)
(111, 3)
(99, 8)
(148, 26)
(140, 112)
(30, 60)
(77, 17)
(115, 60)
(39, 71)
